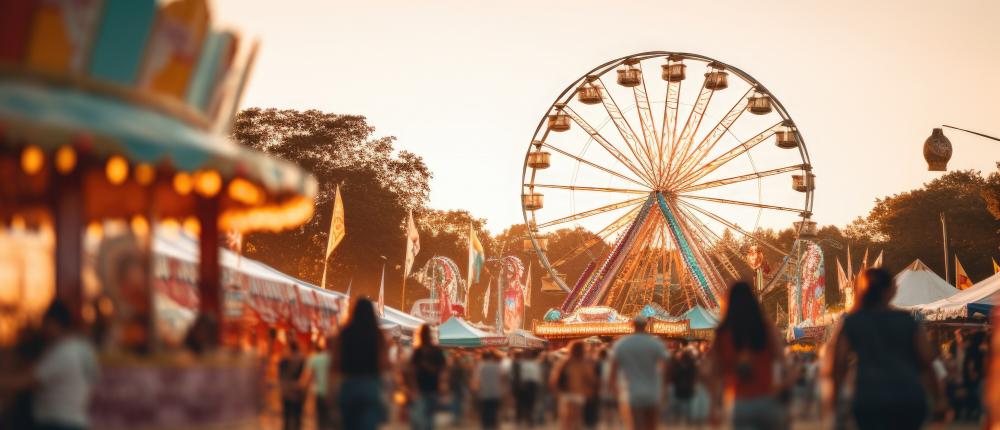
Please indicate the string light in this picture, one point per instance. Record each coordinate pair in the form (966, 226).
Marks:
(65, 159)
(116, 170)
(145, 174)
(32, 159)
(182, 183)
(208, 183)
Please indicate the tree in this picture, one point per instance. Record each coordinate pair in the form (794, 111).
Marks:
(378, 185)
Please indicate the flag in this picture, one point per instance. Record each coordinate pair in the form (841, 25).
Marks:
(381, 294)
(962, 280)
(476, 257)
(864, 263)
(337, 231)
(842, 279)
(412, 245)
(349, 283)
(996, 267)
(527, 287)
(878, 260)
(486, 300)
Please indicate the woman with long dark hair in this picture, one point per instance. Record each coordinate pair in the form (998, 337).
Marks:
(893, 357)
(574, 379)
(360, 357)
(745, 356)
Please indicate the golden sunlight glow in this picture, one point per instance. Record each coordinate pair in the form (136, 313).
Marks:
(145, 174)
(208, 183)
(182, 183)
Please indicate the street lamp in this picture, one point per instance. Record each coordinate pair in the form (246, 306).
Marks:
(937, 148)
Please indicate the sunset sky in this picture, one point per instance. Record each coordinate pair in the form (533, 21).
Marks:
(464, 84)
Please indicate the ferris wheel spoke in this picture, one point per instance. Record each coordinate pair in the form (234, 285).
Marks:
(728, 156)
(595, 189)
(710, 236)
(691, 161)
(596, 166)
(592, 212)
(734, 227)
(669, 127)
(740, 203)
(648, 127)
(741, 178)
(684, 140)
(601, 235)
(624, 129)
(618, 155)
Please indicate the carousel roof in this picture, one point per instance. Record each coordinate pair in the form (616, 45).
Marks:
(918, 285)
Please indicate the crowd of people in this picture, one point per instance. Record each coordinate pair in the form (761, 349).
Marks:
(878, 371)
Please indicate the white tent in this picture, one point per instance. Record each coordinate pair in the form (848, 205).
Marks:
(977, 299)
(919, 285)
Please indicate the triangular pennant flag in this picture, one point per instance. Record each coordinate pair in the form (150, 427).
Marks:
(878, 260)
(962, 280)
(337, 232)
(527, 287)
(349, 283)
(864, 263)
(412, 245)
(842, 279)
(996, 267)
(381, 294)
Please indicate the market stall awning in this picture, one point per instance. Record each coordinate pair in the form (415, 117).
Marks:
(918, 285)
(701, 318)
(457, 332)
(524, 339)
(977, 299)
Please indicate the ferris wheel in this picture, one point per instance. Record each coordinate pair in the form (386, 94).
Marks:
(667, 180)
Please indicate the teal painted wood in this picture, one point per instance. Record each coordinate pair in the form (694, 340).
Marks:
(121, 40)
(206, 73)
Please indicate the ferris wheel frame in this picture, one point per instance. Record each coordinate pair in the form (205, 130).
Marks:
(541, 133)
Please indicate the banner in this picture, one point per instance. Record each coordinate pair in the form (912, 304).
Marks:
(962, 280)
(513, 293)
(337, 232)
(412, 244)
(813, 283)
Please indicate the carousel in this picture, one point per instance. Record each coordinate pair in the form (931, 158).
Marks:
(673, 161)
(114, 119)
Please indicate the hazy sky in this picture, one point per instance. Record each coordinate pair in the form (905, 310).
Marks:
(464, 83)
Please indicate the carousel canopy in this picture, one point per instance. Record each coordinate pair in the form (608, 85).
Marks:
(701, 318)
(132, 101)
(457, 332)
(918, 285)
(977, 299)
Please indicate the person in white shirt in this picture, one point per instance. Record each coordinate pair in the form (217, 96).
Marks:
(63, 379)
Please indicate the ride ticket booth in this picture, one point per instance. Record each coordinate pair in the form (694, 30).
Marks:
(114, 118)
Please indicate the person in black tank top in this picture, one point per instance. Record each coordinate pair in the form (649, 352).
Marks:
(893, 374)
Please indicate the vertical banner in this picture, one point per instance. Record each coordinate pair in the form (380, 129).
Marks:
(813, 284)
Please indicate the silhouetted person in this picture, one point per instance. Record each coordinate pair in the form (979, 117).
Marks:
(361, 356)
(488, 382)
(637, 369)
(427, 367)
(893, 356)
(745, 355)
(293, 395)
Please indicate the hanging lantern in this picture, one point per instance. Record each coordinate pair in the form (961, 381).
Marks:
(717, 78)
(65, 159)
(787, 136)
(532, 201)
(116, 170)
(759, 103)
(937, 151)
(32, 159)
(673, 71)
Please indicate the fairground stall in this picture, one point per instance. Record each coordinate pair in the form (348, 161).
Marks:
(458, 333)
(605, 323)
(113, 117)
